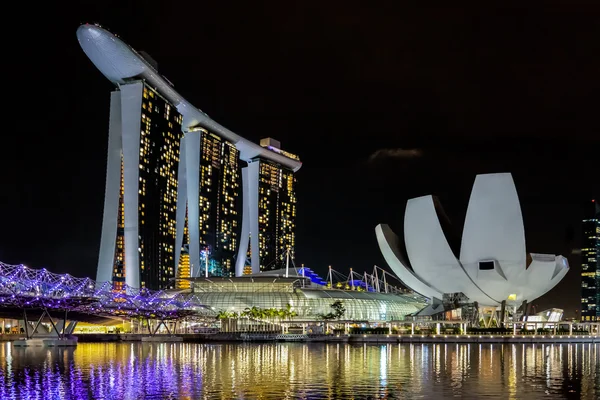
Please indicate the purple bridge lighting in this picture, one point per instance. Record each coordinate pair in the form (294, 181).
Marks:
(23, 288)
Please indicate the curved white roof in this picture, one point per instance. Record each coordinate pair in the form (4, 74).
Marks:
(388, 243)
(120, 63)
(430, 253)
(493, 265)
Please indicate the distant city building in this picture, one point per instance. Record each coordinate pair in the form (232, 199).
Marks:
(139, 226)
(271, 211)
(590, 263)
(184, 194)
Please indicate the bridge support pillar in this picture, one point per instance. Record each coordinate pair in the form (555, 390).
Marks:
(71, 327)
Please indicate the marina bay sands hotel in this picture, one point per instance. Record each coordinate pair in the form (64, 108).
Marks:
(185, 196)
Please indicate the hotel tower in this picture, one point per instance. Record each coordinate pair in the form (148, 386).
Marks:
(185, 196)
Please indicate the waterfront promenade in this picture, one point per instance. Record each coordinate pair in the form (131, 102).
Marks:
(355, 338)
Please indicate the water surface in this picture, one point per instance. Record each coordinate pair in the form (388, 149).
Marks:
(300, 371)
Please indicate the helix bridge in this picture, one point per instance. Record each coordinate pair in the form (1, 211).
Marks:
(23, 288)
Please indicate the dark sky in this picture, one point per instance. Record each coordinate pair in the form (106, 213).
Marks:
(473, 89)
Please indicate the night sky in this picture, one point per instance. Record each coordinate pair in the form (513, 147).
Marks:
(382, 103)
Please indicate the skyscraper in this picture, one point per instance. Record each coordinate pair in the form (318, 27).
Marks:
(590, 263)
(211, 180)
(270, 211)
(179, 201)
(139, 226)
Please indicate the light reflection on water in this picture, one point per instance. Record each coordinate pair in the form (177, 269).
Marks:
(295, 370)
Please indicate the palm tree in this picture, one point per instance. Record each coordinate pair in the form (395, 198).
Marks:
(281, 314)
(225, 317)
(289, 313)
(255, 312)
(223, 314)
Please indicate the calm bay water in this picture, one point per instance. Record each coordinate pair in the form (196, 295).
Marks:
(304, 371)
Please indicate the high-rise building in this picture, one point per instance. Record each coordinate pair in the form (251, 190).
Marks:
(271, 212)
(590, 263)
(212, 183)
(139, 227)
(184, 194)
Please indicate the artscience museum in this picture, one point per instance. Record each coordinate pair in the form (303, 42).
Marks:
(489, 266)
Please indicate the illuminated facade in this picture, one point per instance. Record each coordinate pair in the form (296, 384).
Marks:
(590, 264)
(211, 190)
(276, 214)
(139, 226)
(270, 210)
(183, 267)
(179, 164)
(307, 300)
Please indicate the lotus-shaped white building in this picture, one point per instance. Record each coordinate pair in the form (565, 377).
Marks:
(493, 265)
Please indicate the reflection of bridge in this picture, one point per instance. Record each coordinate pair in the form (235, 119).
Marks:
(25, 290)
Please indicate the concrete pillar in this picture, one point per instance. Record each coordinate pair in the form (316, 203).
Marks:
(554, 330)
(437, 328)
(514, 328)
(502, 312)
(525, 310)
(570, 328)
(412, 328)
(70, 327)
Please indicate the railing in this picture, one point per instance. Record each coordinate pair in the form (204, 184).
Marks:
(24, 287)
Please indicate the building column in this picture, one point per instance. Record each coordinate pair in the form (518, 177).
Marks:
(106, 258)
(181, 203)
(250, 232)
(240, 262)
(192, 167)
(131, 104)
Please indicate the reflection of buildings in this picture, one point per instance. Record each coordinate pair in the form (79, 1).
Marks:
(319, 370)
(590, 263)
(169, 163)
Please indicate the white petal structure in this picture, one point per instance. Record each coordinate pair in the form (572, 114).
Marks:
(388, 243)
(493, 265)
